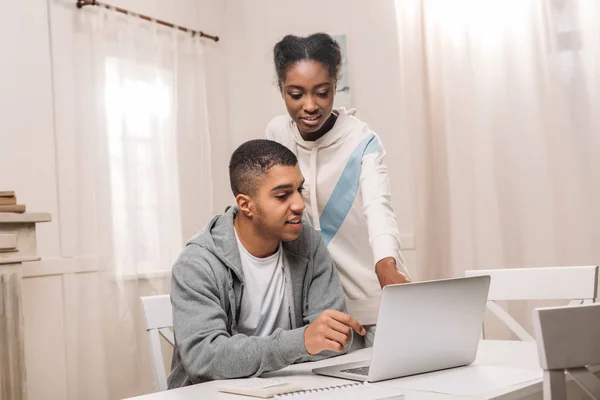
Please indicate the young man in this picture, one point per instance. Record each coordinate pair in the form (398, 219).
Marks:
(256, 289)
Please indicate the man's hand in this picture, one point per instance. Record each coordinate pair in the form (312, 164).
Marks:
(388, 274)
(332, 330)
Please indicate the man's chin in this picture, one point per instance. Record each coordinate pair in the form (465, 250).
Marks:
(289, 237)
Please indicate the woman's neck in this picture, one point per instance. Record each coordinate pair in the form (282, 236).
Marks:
(327, 126)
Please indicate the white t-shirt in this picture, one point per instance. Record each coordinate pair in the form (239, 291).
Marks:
(264, 305)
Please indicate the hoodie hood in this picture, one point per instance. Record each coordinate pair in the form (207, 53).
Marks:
(216, 238)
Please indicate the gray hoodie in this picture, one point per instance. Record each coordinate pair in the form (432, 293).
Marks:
(206, 292)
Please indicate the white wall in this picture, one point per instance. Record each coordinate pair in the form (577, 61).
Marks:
(27, 162)
(253, 28)
(30, 122)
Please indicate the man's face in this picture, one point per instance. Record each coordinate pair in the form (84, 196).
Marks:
(278, 204)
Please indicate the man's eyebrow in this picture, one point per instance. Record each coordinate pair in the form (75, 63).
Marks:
(279, 187)
(286, 186)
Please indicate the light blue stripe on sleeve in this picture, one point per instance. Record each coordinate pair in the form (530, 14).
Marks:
(345, 191)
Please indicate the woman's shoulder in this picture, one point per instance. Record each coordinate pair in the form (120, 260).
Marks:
(355, 128)
(277, 126)
(348, 118)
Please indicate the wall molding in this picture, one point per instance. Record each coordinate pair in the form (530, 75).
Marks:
(60, 266)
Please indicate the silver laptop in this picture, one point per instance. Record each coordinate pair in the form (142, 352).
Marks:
(422, 327)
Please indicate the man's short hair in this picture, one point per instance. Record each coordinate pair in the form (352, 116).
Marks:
(252, 160)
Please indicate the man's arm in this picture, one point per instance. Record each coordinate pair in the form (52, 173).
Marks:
(207, 349)
(326, 293)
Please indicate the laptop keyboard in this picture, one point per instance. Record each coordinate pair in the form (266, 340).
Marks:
(358, 371)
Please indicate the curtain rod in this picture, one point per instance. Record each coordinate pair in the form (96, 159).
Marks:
(83, 3)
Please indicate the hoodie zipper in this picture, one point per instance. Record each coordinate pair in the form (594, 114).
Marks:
(232, 299)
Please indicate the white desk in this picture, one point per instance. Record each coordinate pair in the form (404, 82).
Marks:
(520, 355)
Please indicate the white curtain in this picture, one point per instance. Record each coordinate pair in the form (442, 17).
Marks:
(136, 137)
(501, 101)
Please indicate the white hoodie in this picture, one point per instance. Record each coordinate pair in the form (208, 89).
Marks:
(347, 196)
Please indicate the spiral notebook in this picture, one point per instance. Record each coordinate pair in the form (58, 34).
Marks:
(350, 391)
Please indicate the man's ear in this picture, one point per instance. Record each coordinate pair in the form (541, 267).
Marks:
(245, 204)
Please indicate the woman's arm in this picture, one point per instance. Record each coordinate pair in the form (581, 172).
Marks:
(380, 216)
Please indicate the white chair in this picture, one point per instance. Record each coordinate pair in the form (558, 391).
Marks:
(568, 339)
(159, 320)
(578, 284)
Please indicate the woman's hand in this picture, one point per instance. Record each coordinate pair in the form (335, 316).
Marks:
(388, 274)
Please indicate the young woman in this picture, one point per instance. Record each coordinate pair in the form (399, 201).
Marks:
(346, 190)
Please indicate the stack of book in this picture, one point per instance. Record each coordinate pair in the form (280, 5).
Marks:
(8, 203)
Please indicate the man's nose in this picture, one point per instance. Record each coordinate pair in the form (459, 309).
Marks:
(297, 205)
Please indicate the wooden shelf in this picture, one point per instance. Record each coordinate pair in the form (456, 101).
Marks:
(24, 218)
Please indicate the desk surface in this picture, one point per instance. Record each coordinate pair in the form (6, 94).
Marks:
(502, 353)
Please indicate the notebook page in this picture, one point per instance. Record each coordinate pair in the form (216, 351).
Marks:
(353, 391)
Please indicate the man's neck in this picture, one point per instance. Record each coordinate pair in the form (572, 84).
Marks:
(252, 241)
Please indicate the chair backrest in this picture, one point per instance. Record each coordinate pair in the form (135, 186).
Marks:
(159, 319)
(578, 284)
(568, 339)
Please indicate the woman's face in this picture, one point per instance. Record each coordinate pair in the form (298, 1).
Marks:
(308, 92)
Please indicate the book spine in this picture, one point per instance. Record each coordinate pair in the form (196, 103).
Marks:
(8, 201)
(18, 208)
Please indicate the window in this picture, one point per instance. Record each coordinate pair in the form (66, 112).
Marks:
(142, 155)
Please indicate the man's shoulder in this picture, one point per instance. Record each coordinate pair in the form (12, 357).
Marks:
(198, 261)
